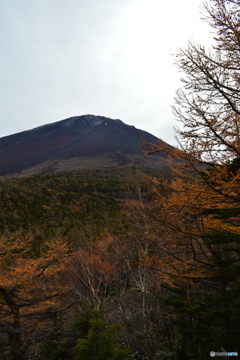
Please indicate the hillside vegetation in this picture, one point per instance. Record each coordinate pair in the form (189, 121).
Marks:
(122, 264)
(71, 240)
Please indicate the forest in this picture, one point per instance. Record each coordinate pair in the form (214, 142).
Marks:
(130, 263)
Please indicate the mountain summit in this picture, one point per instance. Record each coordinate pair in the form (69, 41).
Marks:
(86, 141)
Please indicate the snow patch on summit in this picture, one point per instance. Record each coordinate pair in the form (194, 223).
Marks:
(93, 120)
(97, 121)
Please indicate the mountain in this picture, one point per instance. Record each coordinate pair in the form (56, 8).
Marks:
(86, 141)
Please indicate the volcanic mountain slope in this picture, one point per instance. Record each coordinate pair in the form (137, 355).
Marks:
(86, 141)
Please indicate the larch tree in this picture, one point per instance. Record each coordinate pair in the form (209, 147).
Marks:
(201, 212)
(30, 295)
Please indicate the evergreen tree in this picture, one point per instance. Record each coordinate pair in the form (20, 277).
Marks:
(100, 342)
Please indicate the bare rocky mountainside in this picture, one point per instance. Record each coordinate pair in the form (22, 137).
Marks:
(86, 141)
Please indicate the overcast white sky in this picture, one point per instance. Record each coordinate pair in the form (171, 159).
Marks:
(61, 58)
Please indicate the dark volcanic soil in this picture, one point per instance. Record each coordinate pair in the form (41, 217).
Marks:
(80, 137)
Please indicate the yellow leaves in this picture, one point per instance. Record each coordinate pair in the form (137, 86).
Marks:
(200, 209)
(45, 207)
(58, 246)
(29, 287)
(105, 240)
(90, 263)
(19, 269)
(75, 208)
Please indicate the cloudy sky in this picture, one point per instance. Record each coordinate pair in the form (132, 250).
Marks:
(61, 58)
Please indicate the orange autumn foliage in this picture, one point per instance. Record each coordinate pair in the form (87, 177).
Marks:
(30, 290)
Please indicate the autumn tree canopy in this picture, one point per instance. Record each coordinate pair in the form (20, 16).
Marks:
(208, 104)
(30, 294)
(201, 211)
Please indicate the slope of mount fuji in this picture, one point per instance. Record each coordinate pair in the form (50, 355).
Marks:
(86, 141)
